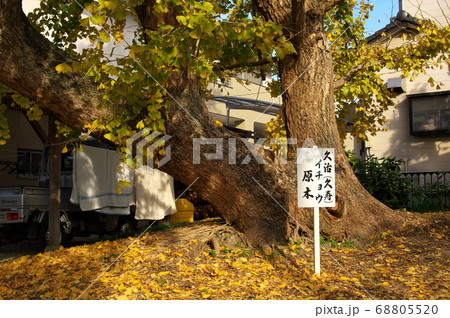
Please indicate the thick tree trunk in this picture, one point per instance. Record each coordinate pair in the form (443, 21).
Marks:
(255, 198)
(28, 63)
(308, 109)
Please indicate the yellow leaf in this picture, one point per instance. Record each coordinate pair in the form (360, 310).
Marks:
(109, 136)
(63, 68)
(118, 190)
(206, 296)
(110, 5)
(163, 273)
(122, 297)
(124, 183)
(140, 125)
(84, 22)
(64, 150)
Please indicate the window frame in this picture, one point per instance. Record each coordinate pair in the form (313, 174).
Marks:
(425, 133)
(26, 171)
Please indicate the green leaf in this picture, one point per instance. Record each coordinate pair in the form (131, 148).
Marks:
(207, 27)
(196, 33)
(182, 20)
(104, 37)
(21, 100)
(98, 19)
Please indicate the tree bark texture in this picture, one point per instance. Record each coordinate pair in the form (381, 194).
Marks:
(28, 63)
(308, 109)
(258, 199)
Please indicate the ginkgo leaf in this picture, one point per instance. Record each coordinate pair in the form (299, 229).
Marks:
(124, 183)
(171, 264)
(63, 68)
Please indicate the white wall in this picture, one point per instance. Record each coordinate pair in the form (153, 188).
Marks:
(421, 153)
(437, 10)
(245, 119)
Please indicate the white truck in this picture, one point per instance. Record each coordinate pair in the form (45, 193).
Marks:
(25, 208)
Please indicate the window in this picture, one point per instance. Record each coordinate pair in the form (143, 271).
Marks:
(28, 162)
(66, 162)
(430, 114)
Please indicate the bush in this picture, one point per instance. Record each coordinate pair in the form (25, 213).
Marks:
(383, 179)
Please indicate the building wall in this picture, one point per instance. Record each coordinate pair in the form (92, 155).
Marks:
(437, 10)
(22, 137)
(419, 154)
(241, 118)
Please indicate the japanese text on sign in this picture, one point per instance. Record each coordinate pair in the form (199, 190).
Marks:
(315, 177)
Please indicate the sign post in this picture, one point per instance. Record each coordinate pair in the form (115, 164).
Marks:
(316, 187)
(316, 241)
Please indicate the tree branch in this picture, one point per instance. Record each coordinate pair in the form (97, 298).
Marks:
(28, 63)
(341, 82)
(261, 62)
(327, 5)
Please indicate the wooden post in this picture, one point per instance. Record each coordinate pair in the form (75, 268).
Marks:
(54, 226)
(316, 232)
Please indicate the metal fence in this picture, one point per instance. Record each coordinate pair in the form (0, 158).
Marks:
(431, 191)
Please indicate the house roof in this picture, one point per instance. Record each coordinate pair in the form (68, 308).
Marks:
(248, 103)
(402, 23)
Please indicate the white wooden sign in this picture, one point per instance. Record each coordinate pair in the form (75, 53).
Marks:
(316, 187)
(315, 177)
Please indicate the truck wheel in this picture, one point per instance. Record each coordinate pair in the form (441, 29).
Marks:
(125, 226)
(45, 236)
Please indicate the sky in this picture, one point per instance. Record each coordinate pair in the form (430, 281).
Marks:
(382, 12)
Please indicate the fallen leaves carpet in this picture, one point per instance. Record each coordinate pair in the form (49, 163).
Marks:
(177, 263)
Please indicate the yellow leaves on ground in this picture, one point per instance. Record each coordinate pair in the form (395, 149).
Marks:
(173, 265)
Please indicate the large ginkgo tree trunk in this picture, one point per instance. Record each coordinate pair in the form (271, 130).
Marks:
(258, 199)
(309, 112)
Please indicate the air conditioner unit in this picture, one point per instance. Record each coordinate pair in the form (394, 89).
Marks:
(395, 85)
